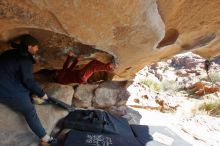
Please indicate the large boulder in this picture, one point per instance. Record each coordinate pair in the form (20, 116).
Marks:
(84, 94)
(110, 94)
(62, 92)
(103, 95)
(13, 127)
(15, 131)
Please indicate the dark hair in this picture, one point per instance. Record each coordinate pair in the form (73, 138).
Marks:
(24, 41)
(22, 45)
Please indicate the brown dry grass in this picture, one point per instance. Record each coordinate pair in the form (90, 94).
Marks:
(213, 108)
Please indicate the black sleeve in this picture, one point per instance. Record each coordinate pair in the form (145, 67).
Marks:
(27, 78)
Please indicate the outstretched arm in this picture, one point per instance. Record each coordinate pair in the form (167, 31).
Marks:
(67, 62)
(28, 79)
(75, 61)
(68, 59)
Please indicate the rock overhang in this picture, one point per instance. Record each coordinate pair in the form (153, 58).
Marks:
(134, 33)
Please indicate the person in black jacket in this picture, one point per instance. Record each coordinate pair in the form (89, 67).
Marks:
(17, 82)
(207, 65)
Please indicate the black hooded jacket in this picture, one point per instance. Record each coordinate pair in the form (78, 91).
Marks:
(16, 78)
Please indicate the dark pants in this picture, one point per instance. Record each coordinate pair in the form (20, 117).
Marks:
(26, 108)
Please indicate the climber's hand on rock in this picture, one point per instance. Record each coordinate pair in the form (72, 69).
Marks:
(80, 57)
(71, 53)
(45, 97)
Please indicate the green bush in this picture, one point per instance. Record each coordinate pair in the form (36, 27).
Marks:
(170, 85)
(152, 85)
(215, 76)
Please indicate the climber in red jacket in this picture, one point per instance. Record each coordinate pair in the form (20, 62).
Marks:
(68, 74)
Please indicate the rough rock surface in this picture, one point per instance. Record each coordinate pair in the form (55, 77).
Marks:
(15, 131)
(109, 94)
(197, 25)
(104, 95)
(84, 95)
(63, 92)
(114, 26)
(144, 31)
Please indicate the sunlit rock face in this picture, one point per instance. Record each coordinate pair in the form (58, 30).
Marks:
(134, 33)
(191, 26)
